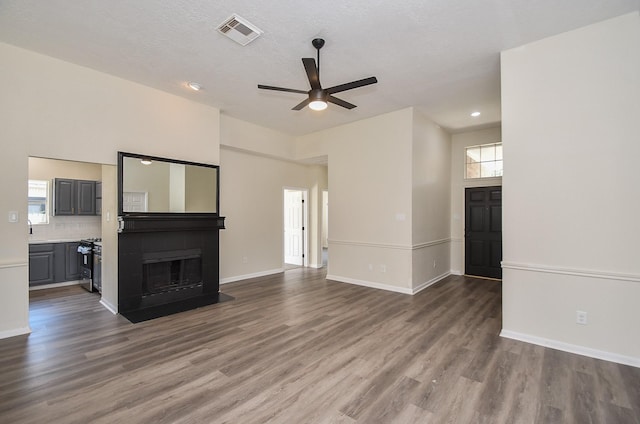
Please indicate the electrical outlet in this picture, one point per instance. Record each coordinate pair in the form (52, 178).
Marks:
(434, 263)
(245, 260)
(383, 268)
(370, 267)
(581, 317)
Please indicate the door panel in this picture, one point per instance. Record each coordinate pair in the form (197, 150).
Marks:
(483, 231)
(477, 218)
(293, 227)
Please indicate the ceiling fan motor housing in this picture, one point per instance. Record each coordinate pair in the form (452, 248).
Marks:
(318, 94)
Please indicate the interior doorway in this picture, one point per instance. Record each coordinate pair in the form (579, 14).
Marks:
(295, 228)
(325, 228)
(483, 231)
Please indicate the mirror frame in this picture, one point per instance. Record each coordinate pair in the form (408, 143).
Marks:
(122, 155)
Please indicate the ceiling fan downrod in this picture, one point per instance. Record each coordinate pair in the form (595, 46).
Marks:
(318, 43)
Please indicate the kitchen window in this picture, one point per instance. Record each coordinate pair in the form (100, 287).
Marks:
(483, 161)
(38, 205)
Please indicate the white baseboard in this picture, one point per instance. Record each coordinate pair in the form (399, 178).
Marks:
(316, 266)
(54, 285)
(109, 307)
(254, 275)
(15, 332)
(403, 290)
(571, 348)
(430, 282)
(456, 272)
(371, 284)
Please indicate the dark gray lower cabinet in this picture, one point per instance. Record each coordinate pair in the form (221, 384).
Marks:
(54, 263)
(73, 259)
(41, 264)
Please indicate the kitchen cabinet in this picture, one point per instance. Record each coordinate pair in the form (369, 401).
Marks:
(86, 197)
(54, 263)
(74, 197)
(41, 264)
(72, 261)
(98, 198)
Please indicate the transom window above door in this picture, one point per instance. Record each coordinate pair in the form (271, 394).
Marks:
(483, 161)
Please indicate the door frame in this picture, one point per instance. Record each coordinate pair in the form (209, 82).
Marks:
(305, 223)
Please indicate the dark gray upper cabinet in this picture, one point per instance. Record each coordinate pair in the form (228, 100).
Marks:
(74, 197)
(86, 197)
(64, 197)
(98, 198)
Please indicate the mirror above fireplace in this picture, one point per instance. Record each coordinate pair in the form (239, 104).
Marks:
(155, 185)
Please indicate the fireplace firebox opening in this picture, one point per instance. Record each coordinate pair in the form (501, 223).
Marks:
(171, 270)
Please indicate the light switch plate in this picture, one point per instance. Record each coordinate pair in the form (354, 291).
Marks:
(13, 216)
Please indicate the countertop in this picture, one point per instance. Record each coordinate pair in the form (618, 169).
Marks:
(41, 241)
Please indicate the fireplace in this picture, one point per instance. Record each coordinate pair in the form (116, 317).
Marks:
(167, 260)
(172, 270)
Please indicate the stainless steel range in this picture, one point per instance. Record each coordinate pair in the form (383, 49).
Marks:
(97, 266)
(87, 248)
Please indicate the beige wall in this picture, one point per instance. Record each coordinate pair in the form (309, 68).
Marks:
(47, 169)
(389, 180)
(458, 184)
(200, 189)
(430, 199)
(109, 237)
(54, 109)
(246, 136)
(386, 176)
(251, 192)
(153, 179)
(571, 142)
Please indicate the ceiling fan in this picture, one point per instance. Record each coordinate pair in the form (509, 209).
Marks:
(318, 97)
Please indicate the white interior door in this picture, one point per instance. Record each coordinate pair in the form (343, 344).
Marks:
(294, 227)
(133, 201)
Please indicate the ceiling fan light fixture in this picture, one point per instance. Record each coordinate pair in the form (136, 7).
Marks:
(318, 105)
(194, 86)
(317, 99)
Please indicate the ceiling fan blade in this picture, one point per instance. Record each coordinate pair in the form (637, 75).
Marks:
(301, 105)
(340, 102)
(312, 72)
(288, 90)
(352, 85)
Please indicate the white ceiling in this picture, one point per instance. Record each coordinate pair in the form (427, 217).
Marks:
(441, 56)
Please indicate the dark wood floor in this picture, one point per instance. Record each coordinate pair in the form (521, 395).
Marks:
(295, 348)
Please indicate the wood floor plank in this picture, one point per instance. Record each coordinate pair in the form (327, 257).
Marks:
(297, 348)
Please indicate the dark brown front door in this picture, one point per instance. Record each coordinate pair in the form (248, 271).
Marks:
(483, 231)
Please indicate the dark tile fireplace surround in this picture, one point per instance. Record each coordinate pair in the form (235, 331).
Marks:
(167, 264)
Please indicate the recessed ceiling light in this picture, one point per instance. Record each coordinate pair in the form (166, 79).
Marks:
(475, 114)
(146, 161)
(194, 86)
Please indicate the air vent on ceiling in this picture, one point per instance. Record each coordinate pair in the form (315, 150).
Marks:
(239, 30)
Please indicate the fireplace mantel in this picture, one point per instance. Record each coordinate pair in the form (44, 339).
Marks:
(169, 222)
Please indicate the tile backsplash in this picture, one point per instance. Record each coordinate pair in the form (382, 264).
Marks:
(68, 228)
